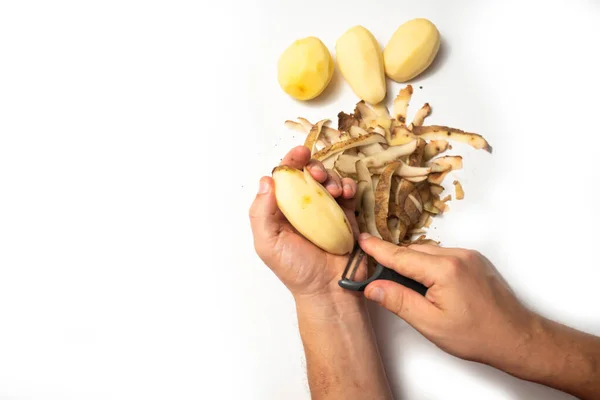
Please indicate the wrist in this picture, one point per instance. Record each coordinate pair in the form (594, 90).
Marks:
(340, 346)
(326, 297)
(510, 346)
(330, 305)
(561, 357)
(537, 356)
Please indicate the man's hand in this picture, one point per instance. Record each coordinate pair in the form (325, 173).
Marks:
(469, 311)
(303, 267)
(341, 352)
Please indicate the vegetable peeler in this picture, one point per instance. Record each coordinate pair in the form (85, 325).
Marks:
(381, 272)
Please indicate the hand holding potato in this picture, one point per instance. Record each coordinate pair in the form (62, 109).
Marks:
(304, 268)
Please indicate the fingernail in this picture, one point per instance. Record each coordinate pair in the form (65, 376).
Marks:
(317, 167)
(347, 187)
(364, 236)
(376, 295)
(263, 187)
(332, 186)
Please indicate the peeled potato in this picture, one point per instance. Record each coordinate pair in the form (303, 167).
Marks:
(305, 68)
(361, 63)
(310, 209)
(411, 49)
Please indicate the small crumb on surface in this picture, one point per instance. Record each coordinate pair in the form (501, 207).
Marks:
(460, 193)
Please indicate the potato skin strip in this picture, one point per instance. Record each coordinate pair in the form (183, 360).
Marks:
(443, 132)
(313, 136)
(399, 166)
(348, 144)
(382, 200)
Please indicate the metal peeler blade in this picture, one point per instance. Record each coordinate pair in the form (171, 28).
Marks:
(381, 272)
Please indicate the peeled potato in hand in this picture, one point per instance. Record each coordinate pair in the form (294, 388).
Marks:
(361, 63)
(411, 49)
(310, 209)
(305, 68)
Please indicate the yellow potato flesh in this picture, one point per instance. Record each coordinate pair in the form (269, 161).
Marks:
(361, 63)
(310, 209)
(411, 49)
(305, 68)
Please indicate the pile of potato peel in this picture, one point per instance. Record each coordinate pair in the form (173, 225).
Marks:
(397, 165)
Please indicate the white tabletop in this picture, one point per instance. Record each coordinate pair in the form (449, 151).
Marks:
(132, 138)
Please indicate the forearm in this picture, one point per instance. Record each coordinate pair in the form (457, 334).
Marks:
(560, 357)
(341, 351)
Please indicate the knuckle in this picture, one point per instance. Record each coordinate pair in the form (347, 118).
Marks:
(264, 254)
(471, 256)
(452, 267)
(399, 251)
(265, 247)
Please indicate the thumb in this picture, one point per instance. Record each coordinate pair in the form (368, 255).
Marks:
(264, 213)
(409, 305)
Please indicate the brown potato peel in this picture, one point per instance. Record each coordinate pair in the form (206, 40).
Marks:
(348, 144)
(460, 193)
(444, 132)
(397, 166)
(382, 200)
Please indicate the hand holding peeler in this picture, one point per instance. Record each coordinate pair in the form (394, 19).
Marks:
(381, 272)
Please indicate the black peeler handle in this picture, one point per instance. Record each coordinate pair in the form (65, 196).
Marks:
(382, 272)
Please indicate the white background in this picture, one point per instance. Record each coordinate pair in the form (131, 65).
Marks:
(132, 138)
